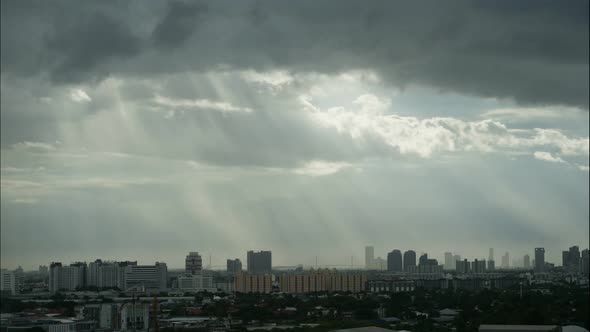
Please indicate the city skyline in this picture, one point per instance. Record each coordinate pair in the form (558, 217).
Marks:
(146, 130)
(358, 262)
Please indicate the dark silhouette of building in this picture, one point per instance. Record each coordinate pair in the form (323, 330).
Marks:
(539, 260)
(584, 266)
(409, 259)
(394, 261)
(234, 265)
(571, 259)
(259, 262)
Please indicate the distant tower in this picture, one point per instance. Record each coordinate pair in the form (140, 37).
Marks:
(526, 261)
(259, 262)
(193, 263)
(539, 260)
(369, 257)
(394, 261)
(409, 260)
(449, 262)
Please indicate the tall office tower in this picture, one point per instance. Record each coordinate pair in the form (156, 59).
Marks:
(369, 257)
(478, 266)
(526, 261)
(409, 260)
(506, 261)
(193, 263)
(449, 262)
(491, 265)
(491, 254)
(584, 264)
(539, 260)
(394, 261)
(423, 259)
(147, 277)
(259, 262)
(456, 258)
(574, 259)
(463, 266)
(234, 265)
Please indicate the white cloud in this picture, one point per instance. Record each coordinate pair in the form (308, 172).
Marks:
(80, 96)
(34, 146)
(424, 137)
(584, 168)
(276, 79)
(200, 104)
(524, 113)
(546, 156)
(320, 168)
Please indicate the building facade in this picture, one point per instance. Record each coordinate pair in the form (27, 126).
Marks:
(259, 262)
(252, 283)
(193, 263)
(66, 277)
(146, 277)
(234, 266)
(409, 260)
(322, 281)
(394, 261)
(539, 260)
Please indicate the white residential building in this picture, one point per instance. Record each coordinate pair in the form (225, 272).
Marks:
(196, 283)
(66, 277)
(147, 277)
(9, 282)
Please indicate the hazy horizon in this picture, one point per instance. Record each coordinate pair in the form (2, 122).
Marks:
(145, 130)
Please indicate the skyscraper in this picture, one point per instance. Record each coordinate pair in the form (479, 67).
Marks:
(394, 261)
(539, 260)
(584, 266)
(491, 255)
(571, 259)
(409, 260)
(449, 262)
(506, 261)
(423, 259)
(259, 262)
(526, 261)
(193, 263)
(369, 257)
(234, 265)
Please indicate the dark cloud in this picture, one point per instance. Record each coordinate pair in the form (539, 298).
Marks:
(533, 51)
(178, 24)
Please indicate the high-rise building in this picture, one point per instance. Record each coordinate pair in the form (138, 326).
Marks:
(539, 260)
(571, 259)
(259, 262)
(491, 265)
(584, 264)
(409, 260)
(252, 283)
(491, 254)
(43, 271)
(66, 277)
(423, 259)
(9, 282)
(322, 281)
(478, 266)
(526, 261)
(506, 261)
(456, 258)
(394, 261)
(193, 263)
(369, 257)
(234, 265)
(146, 277)
(463, 266)
(449, 261)
(197, 282)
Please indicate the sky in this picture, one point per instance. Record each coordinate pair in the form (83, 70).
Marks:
(134, 130)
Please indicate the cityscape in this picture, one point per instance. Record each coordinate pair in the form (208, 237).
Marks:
(100, 290)
(294, 166)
